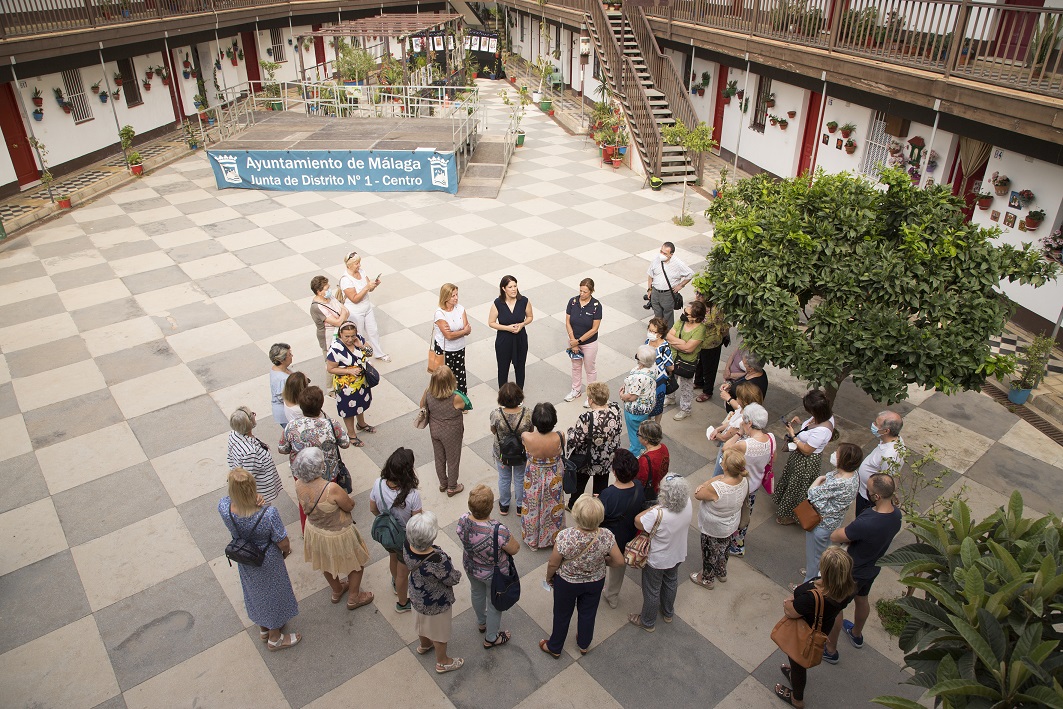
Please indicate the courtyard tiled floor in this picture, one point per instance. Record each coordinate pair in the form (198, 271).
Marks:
(132, 327)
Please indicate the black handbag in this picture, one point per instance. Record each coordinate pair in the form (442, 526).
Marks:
(677, 298)
(372, 376)
(505, 588)
(243, 551)
(343, 476)
(578, 461)
(672, 385)
(684, 369)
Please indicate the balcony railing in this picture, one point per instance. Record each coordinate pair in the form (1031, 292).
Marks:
(1011, 45)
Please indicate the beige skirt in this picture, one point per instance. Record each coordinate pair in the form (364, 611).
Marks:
(435, 627)
(337, 553)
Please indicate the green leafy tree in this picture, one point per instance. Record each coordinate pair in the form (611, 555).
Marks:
(834, 277)
(696, 141)
(987, 634)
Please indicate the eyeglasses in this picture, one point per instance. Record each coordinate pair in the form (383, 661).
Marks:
(672, 476)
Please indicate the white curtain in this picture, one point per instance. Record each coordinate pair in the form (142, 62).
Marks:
(973, 154)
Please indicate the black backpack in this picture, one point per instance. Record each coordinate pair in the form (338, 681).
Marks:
(510, 447)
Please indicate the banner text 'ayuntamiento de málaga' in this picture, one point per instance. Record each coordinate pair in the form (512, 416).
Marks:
(424, 170)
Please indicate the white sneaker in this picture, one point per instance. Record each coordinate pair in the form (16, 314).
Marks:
(669, 400)
(574, 394)
(681, 415)
(586, 403)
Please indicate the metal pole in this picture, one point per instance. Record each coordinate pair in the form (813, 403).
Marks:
(114, 111)
(738, 143)
(930, 145)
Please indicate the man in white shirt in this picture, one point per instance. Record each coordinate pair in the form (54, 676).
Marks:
(888, 429)
(665, 276)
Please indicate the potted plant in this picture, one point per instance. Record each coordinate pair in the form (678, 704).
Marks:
(38, 100)
(103, 97)
(832, 126)
(136, 163)
(520, 100)
(116, 94)
(354, 64)
(1032, 370)
(240, 54)
(193, 73)
(895, 147)
(164, 76)
(773, 119)
(730, 91)
(67, 107)
(769, 102)
(190, 136)
(59, 98)
(783, 123)
(95, 88)
(741, 94)
(1000, 183)
(117, 77)
(1034, 219)
(38, 114)
(149, 73)
(850, 146)
(63, 201)
(1053, 245)
(706, 79)
(656, 183)
(146, 84)
(187, 63)
(848, 129)
(1026, 197)
(791, 114)
(984, 200)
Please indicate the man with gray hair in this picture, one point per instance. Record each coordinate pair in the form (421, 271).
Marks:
(665, 277)
(885, 458)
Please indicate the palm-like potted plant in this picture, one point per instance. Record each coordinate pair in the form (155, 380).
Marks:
(847, 129)
(38, 99)
(984, 199)
(1032, 370)
(730, 91)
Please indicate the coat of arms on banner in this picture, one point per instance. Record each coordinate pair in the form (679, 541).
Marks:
(438, 166)
(229, 170)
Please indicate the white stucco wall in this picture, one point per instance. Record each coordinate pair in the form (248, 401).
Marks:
(832, 159)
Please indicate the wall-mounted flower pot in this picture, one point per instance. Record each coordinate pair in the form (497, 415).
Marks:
(1002, 190)
(741, 95)
(701, 91)
(165, 81)
(1032, 224)
(770, 103)
(149, 74)
(103, 97)
(850, 149)
(783, 125)
(38, 116)
(846, 133)
(67, 108)
(726, 100)
(985, 203)
(118, 83)
(831, 129)
(187, 74)
(234, 61)
(38, 102)
(792, 114)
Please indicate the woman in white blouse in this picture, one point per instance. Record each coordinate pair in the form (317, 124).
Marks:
(803, 464)
(356, 287)
(452, 327)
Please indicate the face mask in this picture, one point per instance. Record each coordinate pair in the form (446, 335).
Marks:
(834, 459)
(651, 335)
(742, 366)
(874, 429)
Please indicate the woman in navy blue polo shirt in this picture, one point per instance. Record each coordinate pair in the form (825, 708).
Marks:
(583, 317)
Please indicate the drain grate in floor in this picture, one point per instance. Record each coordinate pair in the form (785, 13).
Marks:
(1001, 397)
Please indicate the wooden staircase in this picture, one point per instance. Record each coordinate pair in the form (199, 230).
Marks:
(633, 81)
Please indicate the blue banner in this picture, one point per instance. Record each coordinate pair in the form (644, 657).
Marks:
(422, 170)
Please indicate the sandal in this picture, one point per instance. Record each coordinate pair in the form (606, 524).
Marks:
(442, 488)
(544, 648)
(785, 669)
(424, 650)
(337, 597)
(456, 491)
(286, 640)
(482, 629)
(697, 578)
(384, 357)
(357, 442)
(366, 595)
(455, 664)
(785, 694)
(264, 634)
(702, 398)
(367, 428)
(501, 639)
(636, 620)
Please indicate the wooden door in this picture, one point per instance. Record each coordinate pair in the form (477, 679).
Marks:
(1014, 29)
(717, 116)
(811, 134)
(251, 57)
(319, 48)
(18, 144)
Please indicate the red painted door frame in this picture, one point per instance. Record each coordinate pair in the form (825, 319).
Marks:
(18, 143)
(811, 134)
(319, 48)
(247, 39)
(717, 115)
(963, 185)
(175, 94)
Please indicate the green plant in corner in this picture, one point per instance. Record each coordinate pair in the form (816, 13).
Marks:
(270, 87)
(1044, 39)
(987, 632)
(126, 135)
(894, 618)
(1035, 363)
(696, 141)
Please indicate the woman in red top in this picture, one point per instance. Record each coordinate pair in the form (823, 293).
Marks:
(653, 464)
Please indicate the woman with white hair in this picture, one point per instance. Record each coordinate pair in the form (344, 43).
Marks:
(280, 356)
(248, 452)
(639, 395)
(666, 523)
(576, 572)
(331, 541)
(432, 581)
(759, 447)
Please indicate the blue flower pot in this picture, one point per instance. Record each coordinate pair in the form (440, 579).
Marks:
(1018, 396)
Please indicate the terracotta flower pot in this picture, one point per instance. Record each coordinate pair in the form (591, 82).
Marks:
(831, 130)
(617, 162)
(726, 100)
(607, 152)
(850, 149)
(38, 102)
(792, 114)
(985, 203)
(1002, 190)
(770, 103)
(846, 133)
(63, 203)
(137, 169)
(1032, 224)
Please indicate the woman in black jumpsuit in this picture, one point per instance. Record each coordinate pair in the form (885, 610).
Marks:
(510, 313)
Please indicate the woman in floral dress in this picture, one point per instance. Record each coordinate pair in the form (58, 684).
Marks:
(346, 362)
(544, 505)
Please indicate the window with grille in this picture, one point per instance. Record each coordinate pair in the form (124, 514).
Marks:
(276, 40)
(760, 110)
(75, 96)
(878, 146)
(130, 83)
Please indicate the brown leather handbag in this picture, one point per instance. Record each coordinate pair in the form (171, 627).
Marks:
(807, 515)
(803, 644)
(435, 361)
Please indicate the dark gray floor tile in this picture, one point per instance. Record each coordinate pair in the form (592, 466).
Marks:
(21, 481)
(64, 247)
(298, 286)
(195, 251)
(128, 249)
(40, 598)
(83, 276)
(96, 316)
(279, 318)
(8, 402)
(520, 661)
(115, 702)
(180, 425)
(323, 258)
(264, 253)
(296, 227)
(408, 257)
(102, 506)
(861, 676)
(165, 625)
(167, 226)
(189, 317)
(24, 272)
(972, 410)
(398, 432)
(229, 226)
(136, 361)
(231, 282)
(659, 672)
(205, 524)
(337, 645)
(109, 224)
(859, 407)
(153, 280)
(68, 419)
(200, 205)
(1005, 469)
(227, 368)
(43, 306)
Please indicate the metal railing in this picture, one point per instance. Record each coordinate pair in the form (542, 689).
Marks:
(642, 119)
(1012, 45)
(665, 78)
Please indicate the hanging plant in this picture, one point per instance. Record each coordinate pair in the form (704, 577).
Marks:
(240, 54)
(116, 94)
(146, 84)
(1026, 197)
(96, 88)
(149, 73)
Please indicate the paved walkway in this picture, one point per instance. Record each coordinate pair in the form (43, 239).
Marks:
(132, 327)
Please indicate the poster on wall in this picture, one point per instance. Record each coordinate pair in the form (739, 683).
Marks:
(422, 170)
(450, 41)
(1009, 219)
(418, 44)
(492, 44)
(468, 42)
(475, 43)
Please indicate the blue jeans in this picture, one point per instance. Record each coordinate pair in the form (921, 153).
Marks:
(632, 422)
(718, 470)
(659, 587)
(510, 483)
(816, 542)
(486, 613)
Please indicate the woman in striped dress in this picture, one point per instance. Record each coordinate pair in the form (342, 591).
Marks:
(248, 452)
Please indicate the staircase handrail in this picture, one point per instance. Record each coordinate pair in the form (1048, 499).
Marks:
(642, 116)
(607, 39)
(663, 72)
